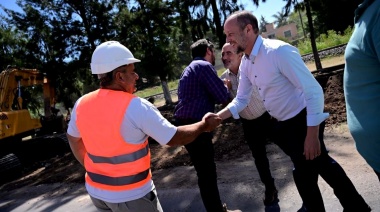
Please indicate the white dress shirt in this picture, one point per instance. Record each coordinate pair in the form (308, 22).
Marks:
(285, 84)
(255, 107)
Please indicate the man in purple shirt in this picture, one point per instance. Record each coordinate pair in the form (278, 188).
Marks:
(199, 90)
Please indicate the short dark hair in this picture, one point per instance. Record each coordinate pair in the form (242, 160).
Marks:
(199, 48)
(244, 18)
(107, 78)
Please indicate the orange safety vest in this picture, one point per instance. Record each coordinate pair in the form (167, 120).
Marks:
(111, 163)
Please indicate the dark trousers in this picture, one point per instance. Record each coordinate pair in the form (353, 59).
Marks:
(290, 138)
(256, 132)
(201, 152)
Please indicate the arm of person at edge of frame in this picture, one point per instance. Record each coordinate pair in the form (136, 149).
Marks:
(188, 133)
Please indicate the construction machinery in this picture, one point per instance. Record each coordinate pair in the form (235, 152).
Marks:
(20, 132)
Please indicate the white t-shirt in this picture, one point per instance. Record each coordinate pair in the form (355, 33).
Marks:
(141, 119)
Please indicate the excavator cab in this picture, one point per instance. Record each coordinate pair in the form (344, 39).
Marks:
(16, 121)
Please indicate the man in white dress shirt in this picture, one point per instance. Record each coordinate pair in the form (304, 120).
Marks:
(294, 98)
(256, 122)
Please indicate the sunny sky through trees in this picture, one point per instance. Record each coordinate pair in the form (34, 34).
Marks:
(267, 9)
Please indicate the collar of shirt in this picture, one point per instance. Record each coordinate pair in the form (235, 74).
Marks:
(361, 8)
(255, 50)
(199, 58)
(232, 73)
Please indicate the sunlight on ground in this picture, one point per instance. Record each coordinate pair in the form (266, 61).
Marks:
(161, 102)
(327, 62)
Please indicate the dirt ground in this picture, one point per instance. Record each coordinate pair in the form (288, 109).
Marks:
(228, 138)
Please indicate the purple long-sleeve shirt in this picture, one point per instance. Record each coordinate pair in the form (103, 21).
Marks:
(199, 90)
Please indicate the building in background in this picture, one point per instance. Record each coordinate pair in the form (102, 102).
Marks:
(288, 31)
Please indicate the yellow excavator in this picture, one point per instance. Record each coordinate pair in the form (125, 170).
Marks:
(17, 126)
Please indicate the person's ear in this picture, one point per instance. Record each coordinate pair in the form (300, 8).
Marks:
(248, 28)
(208, 51)
(119, 76)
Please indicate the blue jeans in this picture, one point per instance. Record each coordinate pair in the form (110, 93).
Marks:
(256, 132)
(291, 137)
(201, 152)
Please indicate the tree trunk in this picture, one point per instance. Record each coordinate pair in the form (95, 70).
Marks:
(317, 60)
(167, 95)
(303, 28)
(218, 26)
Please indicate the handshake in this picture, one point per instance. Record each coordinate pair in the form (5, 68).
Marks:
(211, 121)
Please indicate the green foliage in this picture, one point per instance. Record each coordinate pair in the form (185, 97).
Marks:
(280, 19)
(300, 19)
(334, 15)
(58, 37)
(325, 41)
(12, 45)
(263, 23)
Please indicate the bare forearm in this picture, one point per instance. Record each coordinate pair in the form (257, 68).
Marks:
(186, 134)
(78, 148)
(224, 113)
(312, 148)
(312, 131)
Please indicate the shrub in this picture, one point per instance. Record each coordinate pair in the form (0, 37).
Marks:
(324, 41)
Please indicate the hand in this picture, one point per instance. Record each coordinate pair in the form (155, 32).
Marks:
(227, 83)
(211, 121)
(312, 145)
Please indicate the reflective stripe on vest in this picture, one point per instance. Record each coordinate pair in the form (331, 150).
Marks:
(121, 158)
(118, 181)
(111, 162)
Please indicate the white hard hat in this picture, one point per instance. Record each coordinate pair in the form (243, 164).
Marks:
(110, 55)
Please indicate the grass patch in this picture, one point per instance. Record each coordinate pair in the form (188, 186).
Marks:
(156, 89)
(327, 62)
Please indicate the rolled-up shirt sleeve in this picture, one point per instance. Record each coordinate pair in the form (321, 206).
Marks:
(295, 70)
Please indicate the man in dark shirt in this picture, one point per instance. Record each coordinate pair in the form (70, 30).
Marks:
(199, 90)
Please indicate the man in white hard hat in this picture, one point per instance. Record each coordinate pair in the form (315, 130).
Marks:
(109, 129)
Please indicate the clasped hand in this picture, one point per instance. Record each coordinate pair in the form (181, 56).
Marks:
(211, 121)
